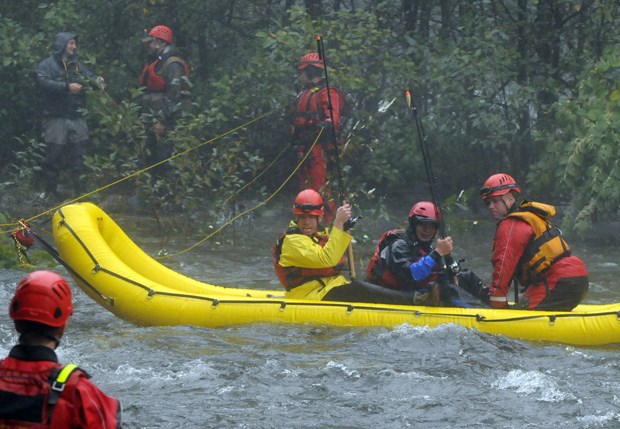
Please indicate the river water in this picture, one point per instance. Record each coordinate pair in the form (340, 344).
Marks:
(266, 376)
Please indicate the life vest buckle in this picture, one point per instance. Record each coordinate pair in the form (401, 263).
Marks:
(58, 386)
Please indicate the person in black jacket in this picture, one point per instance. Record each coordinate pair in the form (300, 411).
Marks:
(63, 80)
(405, 260)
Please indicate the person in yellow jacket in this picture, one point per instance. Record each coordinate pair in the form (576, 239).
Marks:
(309, 260)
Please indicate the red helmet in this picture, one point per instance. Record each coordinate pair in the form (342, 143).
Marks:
(162, 32)
(498, 184)
(43, 297)
(308, 201)
(424, 211)
(310, 59)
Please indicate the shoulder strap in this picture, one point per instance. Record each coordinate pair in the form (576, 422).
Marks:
(173, 59)
(64, 374)
(543, 211)
(391, 236)
(58, 380)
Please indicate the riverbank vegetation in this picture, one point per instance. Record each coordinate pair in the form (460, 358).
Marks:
(522, 86)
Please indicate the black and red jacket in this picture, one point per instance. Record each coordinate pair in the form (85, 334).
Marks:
(26, 379)
(390, 266)
(312, 110)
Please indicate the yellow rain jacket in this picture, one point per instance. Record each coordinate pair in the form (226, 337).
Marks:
(299, 250)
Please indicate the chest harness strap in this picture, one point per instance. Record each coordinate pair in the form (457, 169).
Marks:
(58, 380)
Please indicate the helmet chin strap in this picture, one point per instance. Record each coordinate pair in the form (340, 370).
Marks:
(161, 48)
(514, 200)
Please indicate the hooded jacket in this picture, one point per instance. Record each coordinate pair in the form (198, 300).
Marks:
(54, 75)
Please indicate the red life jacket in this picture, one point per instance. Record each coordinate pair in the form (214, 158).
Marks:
(291, 277)
(154, 80)
(307, 112)
(376, 272)
(27, 399)
(379, 274)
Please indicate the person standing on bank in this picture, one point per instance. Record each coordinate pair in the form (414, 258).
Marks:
(309, 261)
(166, 81)
(63, 79)
(311, 114)
(36, 390)
(530, 249)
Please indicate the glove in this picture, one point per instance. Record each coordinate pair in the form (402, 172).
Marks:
(484, 295)
(351, 223)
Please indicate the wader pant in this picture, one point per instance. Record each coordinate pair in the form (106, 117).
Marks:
(313, 175)
(66, 141)
(157, 149)
(358, 291)
(566, 295)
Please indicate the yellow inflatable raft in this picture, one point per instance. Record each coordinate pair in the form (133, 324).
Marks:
(122, 278)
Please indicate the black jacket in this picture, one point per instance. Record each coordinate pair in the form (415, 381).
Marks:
(54, 76)
(401, 254)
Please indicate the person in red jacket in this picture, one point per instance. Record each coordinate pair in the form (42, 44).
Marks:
(36, 390)
(311, 114)
(528, 248)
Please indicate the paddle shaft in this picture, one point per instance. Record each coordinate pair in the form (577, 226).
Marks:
(321, 52)
(450, 264)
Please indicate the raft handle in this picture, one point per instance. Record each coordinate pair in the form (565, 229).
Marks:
(552, 319)
(215, 303)
(350, 309)
(282, 305)
(96, 269)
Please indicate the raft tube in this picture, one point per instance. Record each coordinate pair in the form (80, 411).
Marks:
(111, 269)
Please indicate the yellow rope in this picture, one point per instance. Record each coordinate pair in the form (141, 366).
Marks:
(262, 203)
(52, 210)
(261, 174)
(230, 221)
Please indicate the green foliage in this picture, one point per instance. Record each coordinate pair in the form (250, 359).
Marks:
(117, 134)
(587, 144)
(10, 258)
(529, 88)
(19, 50)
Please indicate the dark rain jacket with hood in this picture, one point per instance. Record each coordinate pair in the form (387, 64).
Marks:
(54, 76)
